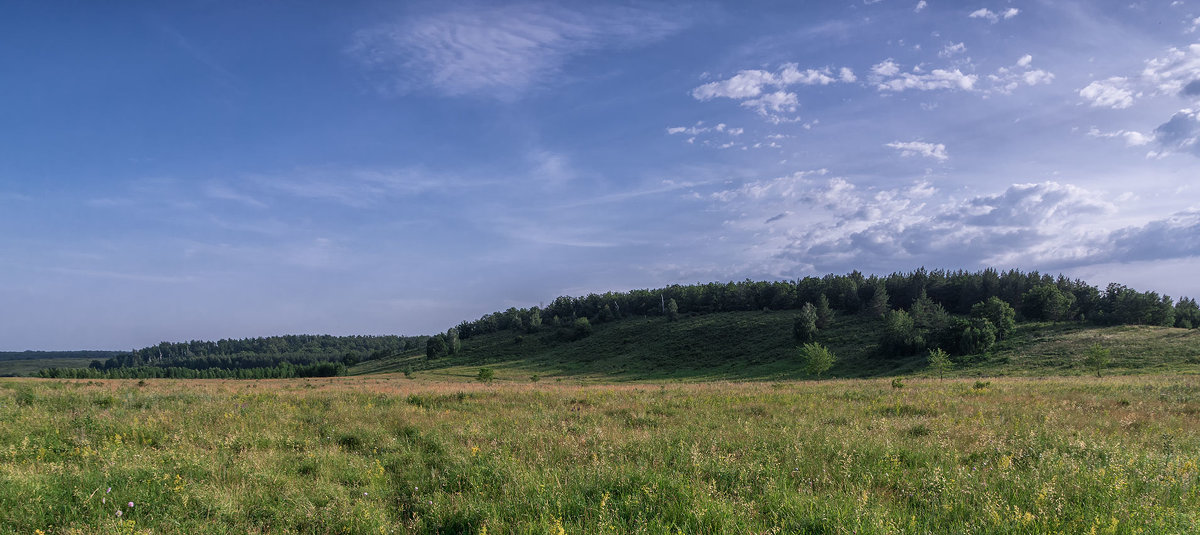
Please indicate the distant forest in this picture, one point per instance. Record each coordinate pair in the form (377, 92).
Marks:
(249, 358)
(959, 311)
(38, 355)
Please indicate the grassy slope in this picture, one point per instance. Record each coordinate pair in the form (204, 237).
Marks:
(758, 345)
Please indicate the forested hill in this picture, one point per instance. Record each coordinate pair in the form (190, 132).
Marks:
(1032, 296)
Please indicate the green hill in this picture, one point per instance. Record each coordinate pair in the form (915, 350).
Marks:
(759, 346)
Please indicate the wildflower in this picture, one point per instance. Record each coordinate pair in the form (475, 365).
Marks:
(108, 491)
(103, 500)
(364, 494)
(131, 504)
(119, 512)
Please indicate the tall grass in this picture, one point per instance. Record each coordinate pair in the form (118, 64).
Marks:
(384, 455)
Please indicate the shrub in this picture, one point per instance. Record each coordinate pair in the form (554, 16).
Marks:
(485, 375)
(817, 358)
(1096, 358)
(897, 383)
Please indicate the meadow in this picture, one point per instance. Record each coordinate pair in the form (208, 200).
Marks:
(389, 454)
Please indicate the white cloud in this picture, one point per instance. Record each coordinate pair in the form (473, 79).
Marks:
(1008, 79)
(952, 50)
(1131, 138)
(993, 17)
(1111, 93)
(920, 6)
(834, 224)
(1181, 133)
(886, 68)
(499, 51)
(752, 83)
(767, 92)
(936, 151)
(933, 80)
(1174, 72)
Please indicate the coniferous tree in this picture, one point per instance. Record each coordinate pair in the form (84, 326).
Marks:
(824, 313)
(804, 328)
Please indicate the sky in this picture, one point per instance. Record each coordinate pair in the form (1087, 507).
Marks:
(176, 171)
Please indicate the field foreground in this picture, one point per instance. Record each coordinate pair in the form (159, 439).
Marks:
(392, 455)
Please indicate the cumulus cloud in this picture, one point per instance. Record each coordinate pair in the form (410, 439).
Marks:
(921, 81)
(1181, 133)
(920, 6)
(952, 50)
(992, 16)
(936, 151)
(1111, 93)
(1132, 138)
(831, 223)
(767, 92)
(1175, 72)
(501, 50)
(1008, 79)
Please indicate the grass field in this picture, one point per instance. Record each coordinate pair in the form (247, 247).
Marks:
(384, 454)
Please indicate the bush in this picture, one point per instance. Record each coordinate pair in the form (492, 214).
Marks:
(486, 375)
(817, 358)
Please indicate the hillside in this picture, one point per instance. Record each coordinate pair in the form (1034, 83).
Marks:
(759, 346)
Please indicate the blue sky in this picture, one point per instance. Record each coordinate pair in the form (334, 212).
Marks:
(203, 170)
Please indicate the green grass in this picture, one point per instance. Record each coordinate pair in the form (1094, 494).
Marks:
(759, 346)
(384, 454)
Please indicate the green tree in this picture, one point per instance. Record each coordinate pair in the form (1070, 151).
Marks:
(672, 310)
(999, 312)
(879, 303)
(824, 313)
(583, 328)
(485, 375)
(817, 358)
(453, 344)
(1047, 303)
(939, 361)
(900, 336)
(535, 320)
(436, 346)
(804, 329)
(1096, 358)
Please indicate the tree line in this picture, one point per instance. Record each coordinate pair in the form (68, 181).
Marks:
(281, 371)
(266, 357)
(1032, 296)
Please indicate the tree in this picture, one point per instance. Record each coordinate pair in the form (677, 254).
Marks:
(453, 344)
(879, 303)
(583, 328)
(900, 336)
(535, 319)
(672, 310)
(939, 361)
(1187, 313)
(485, 375)
(817, 358)
(1000, 313)
(975, 336)
(804, 329)
(1047, 303)
(1096, 358)
(436, 346)
(824, 313)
